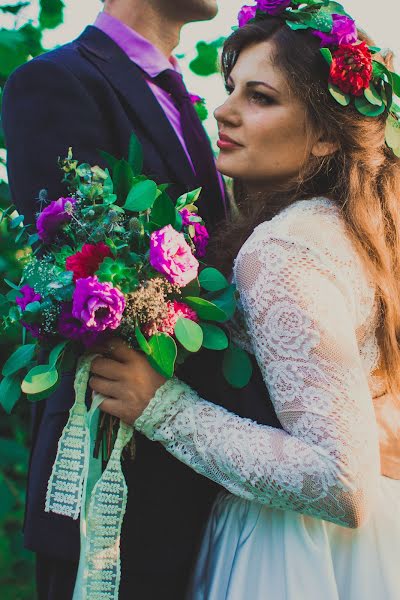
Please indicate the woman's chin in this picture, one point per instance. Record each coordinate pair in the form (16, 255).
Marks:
(228, 166)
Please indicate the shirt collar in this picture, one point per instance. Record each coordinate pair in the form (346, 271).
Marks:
(142, 52)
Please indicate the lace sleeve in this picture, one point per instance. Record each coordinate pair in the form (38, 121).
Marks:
(325, 462)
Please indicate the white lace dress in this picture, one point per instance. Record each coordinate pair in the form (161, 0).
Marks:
(306, 515)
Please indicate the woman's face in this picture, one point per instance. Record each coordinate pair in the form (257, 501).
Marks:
(262, 126)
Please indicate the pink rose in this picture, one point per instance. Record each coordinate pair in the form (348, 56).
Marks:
(171, 255)
(246, 14)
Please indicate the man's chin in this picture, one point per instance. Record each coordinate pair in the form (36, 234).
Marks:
(202, 10)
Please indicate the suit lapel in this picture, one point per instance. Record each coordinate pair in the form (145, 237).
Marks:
(130, 83)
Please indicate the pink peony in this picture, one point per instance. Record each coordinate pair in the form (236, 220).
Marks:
(246, 14)
(344, 31)
(273, 7)
(53, 217)
(171, 255)
(176, 310)
(98, 305)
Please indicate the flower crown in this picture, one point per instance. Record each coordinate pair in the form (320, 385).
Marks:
(355, 77)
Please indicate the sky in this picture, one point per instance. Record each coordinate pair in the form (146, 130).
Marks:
(380, 19)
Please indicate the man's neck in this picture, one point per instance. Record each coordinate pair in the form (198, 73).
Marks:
(163, 34)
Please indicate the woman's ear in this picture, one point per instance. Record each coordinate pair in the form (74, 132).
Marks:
(323, 147)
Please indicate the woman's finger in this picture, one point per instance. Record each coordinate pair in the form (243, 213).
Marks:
(103, 386)
(107, 368)
(111, 406)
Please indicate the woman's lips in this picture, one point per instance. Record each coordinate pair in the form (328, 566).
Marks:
(226, 143)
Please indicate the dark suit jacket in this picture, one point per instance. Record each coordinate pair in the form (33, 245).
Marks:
(90, 96)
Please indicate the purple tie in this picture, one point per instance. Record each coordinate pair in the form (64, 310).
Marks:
(211, 204)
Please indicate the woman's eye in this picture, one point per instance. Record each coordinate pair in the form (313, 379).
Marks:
(229, 89)
(260, 98)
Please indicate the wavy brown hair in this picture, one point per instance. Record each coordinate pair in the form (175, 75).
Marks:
(362, 176)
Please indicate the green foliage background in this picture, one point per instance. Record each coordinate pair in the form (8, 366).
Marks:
(18, 44)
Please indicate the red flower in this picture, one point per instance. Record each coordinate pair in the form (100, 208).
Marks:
(351, 69)
(86, 262)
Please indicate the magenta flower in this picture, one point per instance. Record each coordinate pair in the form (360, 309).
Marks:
(53, 217)
(98, 305)
(344, 31)
(73, 329)
(171, 255)
(194, 99)
(273, 7)
(28, 295)
(201, 236)
(245, 15)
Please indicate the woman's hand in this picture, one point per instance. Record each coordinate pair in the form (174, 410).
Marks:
(126, 380)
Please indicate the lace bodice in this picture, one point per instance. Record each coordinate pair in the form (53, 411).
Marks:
(310, 319)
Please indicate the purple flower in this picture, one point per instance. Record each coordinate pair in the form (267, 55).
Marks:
(273, 7)
(73, 329)
(344, 31)
(246, 14)
(28, 295)
(194, 99)
(170, 254)
(53, 216)
(98, 305)
(201, 235)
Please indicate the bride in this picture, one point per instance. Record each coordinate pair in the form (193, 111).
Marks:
(307, 513)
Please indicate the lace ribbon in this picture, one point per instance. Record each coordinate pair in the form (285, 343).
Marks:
(77, 487)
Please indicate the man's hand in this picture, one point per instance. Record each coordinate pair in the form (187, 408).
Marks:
(126, 380)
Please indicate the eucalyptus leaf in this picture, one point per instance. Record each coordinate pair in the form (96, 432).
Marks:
(212, 280)
(206, 310)
(372, 95)
(55, 353)
(39, 379)
(192, 289)
(237, 367)
(189, 334)
(188, 198)
(338, 95)
(226, 301)
(10, 392)
(19, 359)
(43, 395)
(163, 354)
(365, 108)
(142, 196)
(214, 338)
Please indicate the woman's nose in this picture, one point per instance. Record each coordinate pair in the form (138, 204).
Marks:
(228, 113)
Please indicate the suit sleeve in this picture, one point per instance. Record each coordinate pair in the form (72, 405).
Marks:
(47, 109)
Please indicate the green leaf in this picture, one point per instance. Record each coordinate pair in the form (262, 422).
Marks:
(10, 392)
(188, 198)
(237, 367)
(109, 158)
(206, 310)
(55, 353)
(19, 359)
(163, 212)
(367, 109)
(327, 54)
(206, 61)
(163, 354)
(39, 379)
(371, 94)
(295, 25)
(191, 289)
(212, 280)
(226, 301)
(123, 180)
(141, 196)
(11, 284)
(141, 340)
(392, 135)
(17, 222)
(214, 338)
(189, 334)
(338, 95)
(43, 395)
(135, 157)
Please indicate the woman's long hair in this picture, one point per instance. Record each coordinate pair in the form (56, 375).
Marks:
(362, 176)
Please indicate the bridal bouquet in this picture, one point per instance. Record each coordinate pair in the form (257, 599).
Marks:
(118, 257)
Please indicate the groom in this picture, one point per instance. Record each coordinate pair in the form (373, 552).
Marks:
(117, 77)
